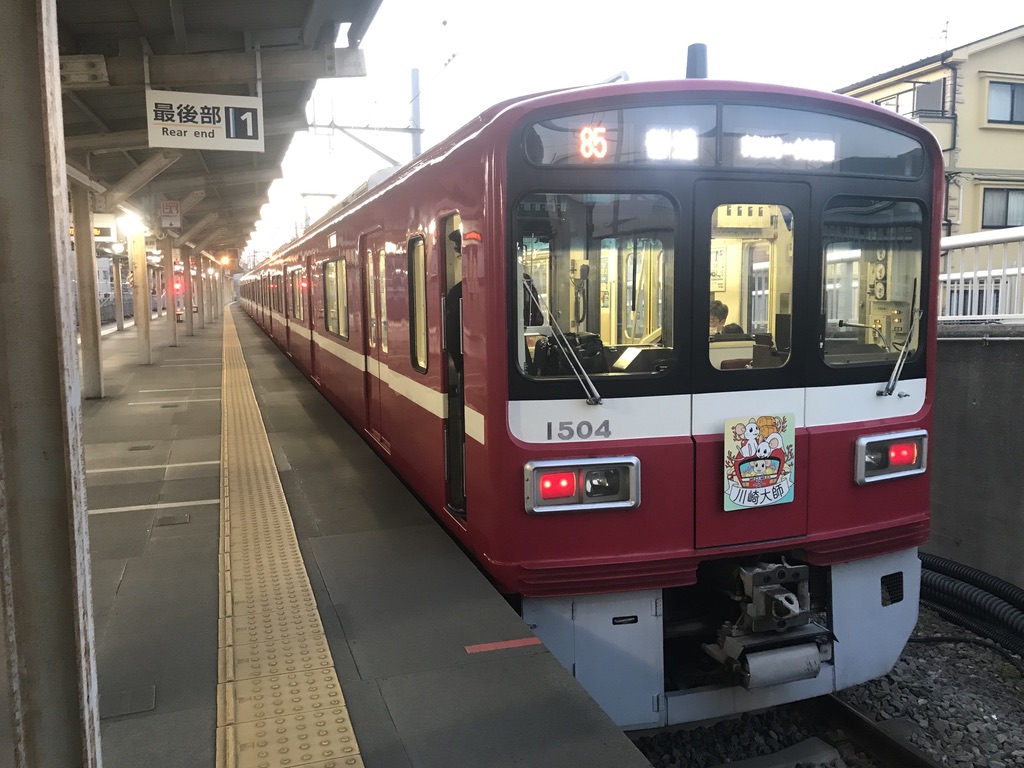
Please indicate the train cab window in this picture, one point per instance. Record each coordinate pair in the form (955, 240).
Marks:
(872, 252)
(594, 274)
(418, 303)
(336, 297)
(750, 281)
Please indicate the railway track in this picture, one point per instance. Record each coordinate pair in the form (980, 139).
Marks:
(886, 742)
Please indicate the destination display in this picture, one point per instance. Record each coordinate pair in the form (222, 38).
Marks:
(738, 136)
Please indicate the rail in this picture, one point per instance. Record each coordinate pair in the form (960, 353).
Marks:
(881, 740)
(980, 279)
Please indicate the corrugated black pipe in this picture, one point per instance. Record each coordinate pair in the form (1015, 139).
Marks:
(1011, 593)
(1008, 640)
(970, 599)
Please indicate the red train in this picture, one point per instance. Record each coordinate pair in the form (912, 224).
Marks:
(696, 522)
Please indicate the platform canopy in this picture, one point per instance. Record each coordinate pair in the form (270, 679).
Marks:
(113, 51)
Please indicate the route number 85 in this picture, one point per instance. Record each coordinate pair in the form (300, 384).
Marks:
(593, 143)
(584, 430)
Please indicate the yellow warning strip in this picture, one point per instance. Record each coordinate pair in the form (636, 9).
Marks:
(279, 703)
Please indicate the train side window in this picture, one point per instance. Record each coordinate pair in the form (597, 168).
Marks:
(382, 260)
(872, 252)
(750, 282)
(336, 297)
(371, 295)
(296, 279)
(342, 268)
(418, 303)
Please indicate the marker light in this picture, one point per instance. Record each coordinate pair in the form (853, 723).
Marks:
(884, 457)
(557, 485)
(902, 454)
(570, 485)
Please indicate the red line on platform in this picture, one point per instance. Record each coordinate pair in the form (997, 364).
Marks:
(502, 645)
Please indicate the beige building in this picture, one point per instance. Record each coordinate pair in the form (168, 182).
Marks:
(972, 98)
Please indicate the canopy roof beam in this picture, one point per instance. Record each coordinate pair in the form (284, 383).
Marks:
(88, 71)
(135, 180)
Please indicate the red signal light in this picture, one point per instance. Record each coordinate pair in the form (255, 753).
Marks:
(902, 454)
(558, 485)
(177, 285)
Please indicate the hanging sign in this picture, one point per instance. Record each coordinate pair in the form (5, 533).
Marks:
(170, 214)
(204, 121)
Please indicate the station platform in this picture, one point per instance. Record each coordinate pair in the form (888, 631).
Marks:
(267, 593)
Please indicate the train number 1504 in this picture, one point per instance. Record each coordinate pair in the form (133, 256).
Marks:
(584, 430)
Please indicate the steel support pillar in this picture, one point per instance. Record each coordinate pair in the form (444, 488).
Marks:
(140, 296)
(190, 328)
(49, 698)
(118, 275)
(88, 296)
(200, 290)
(170, 251)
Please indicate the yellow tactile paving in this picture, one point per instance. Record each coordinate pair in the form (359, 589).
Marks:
(296, 654)
(260, 698)
(279, 703)
(323, 740)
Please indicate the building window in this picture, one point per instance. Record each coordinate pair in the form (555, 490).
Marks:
(921, 98)
(1006, 103)
(1002, 208)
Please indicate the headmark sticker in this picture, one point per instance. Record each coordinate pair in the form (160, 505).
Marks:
(760, 453)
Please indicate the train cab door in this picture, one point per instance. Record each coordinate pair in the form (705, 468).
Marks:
(455, 426)
(376, 335)
(752, 279)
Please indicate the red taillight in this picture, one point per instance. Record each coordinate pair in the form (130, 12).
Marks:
(902, 454)
(887, 457)
(558, 485)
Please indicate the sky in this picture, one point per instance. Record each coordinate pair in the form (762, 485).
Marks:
(471, 54)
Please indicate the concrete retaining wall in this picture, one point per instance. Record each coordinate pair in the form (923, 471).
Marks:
(977, 449)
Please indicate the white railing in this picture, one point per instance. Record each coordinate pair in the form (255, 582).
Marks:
(981, 276)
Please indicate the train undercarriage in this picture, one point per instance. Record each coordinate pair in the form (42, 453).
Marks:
(750, 633)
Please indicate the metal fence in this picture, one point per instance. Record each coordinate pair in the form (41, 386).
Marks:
(980, 277)
(107, 313)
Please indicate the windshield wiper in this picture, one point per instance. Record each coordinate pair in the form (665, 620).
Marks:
(894, 377)
(593, 396)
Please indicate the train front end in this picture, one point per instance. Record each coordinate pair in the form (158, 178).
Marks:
(707, 520)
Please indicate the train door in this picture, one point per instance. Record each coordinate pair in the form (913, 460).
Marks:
(376, 334)
(312, 285)
(455, 427)
(295, 307)
(751, 280)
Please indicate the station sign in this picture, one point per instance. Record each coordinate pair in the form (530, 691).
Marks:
(204, 121)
